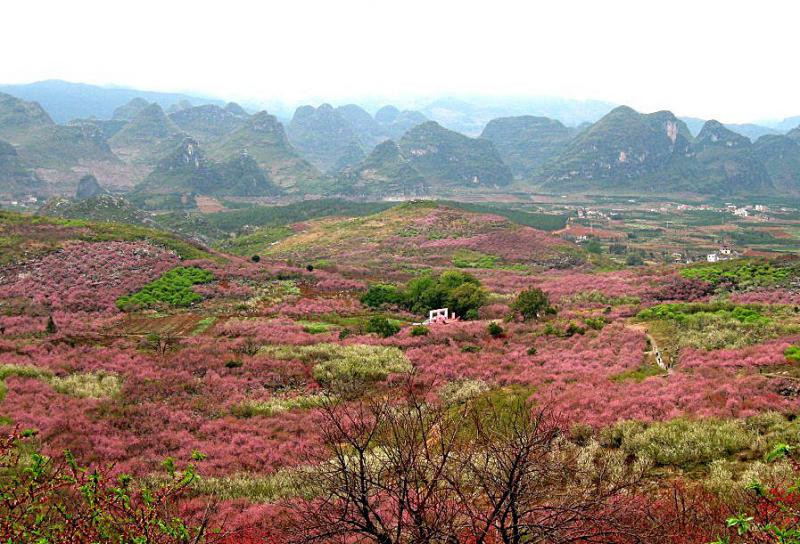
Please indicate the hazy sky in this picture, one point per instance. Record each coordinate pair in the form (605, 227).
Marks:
(732, 60)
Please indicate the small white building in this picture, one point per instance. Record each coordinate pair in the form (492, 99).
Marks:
(712, 257)
(741, 212)
(441, 315)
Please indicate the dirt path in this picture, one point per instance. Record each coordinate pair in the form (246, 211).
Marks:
(655, 351)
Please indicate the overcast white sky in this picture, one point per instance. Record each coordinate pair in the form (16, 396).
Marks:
(732, 60)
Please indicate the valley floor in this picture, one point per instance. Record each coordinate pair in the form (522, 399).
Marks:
(126, 349)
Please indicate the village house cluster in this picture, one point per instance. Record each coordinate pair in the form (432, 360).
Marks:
(28, 201)
(724, 253)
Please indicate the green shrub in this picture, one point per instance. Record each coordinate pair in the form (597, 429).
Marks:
(634, 259)
(272, 292)
(570, 330)
(233, 363)
(596, 323)
(573, 329)
(531, 351)
(470, 348)
(550, 330)
(494, 330)
(204, 324)
(792, 354)
(256, 489)
(381, 326)
(531, 303)
(465, 299)
(594, 247)
(173, 287)
(381, 294)
(419, 330)
(581, 433)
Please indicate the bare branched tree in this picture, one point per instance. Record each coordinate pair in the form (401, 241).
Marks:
(382, 476)
(407, 471)
(523, 482)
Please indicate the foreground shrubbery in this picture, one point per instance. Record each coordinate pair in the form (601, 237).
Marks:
(486, 473)
(173, 288)
(483, 468)
(46, 500)
(684, 443)
(681, 442)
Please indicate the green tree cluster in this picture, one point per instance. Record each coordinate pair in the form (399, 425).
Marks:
(458, 291)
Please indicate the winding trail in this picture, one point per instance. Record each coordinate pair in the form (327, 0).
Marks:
(654, 349)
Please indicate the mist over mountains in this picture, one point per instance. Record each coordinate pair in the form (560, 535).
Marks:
(65, 101)
(163, 149)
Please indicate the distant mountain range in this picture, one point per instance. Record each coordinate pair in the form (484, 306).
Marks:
(751, 130)
(263, 138)
(470, 116)
(147, 137)
(325, 138)
(65, 101)
(428, 159)
(527, 142)
(187, 170)
(627, 150)
(168, 153)
(15, 179)
(334, 139)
